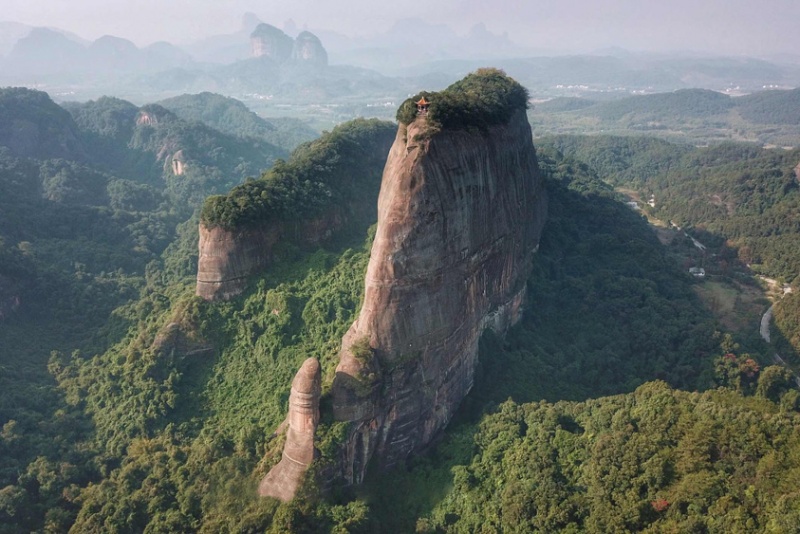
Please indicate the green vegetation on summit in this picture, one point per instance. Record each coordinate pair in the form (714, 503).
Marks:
(487, 97)
(318, 176)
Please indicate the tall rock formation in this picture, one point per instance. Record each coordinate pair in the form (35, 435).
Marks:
(459, 217)
(268, 41)
(308, 50)
(283, 480)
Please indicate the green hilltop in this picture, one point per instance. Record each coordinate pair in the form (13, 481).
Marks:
(486, 97)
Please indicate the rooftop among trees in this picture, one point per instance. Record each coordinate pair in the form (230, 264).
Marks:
(484, 98)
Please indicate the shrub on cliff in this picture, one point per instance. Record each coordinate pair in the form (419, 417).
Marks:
(318, 175)
(484, 98)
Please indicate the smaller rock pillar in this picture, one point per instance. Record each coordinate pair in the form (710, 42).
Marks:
(283, 480)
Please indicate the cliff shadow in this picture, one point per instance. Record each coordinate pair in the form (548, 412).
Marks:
(610, 306)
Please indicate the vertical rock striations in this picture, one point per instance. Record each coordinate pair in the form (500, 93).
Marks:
(283, 480)
(459, 217)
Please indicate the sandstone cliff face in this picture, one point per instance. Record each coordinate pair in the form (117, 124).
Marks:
(227, 257)
(346, 164)
(459, 218)
(283, 480)
(308, 49)
(268, 41)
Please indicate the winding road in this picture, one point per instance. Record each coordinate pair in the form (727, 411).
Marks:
(765, 320)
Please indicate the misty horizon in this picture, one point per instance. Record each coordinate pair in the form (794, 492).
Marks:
(732, 27)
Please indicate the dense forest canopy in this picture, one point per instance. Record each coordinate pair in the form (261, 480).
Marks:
(732, 195)
(655, 460)
(484, 98)
(733, 192)
(318, 176)
(91, 218)
(128, 404)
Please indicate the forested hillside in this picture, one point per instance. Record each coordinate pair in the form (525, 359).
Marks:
(730, 192)
(655, 460)
(70, 266)
(739, 199)
(89, 205)
(127, 404)
(319, 175)
(230, 116)
(152, 145)
(696, 116)
(647, 459)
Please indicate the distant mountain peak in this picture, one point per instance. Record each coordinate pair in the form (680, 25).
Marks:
(272, 43)
(250, 21)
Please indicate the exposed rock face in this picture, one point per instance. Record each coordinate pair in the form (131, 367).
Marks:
(228, 257)
(268, 41)
(459, 218)
(346, 162)
(178, 163)
(308, 49)
(145, 118)
(283, 480)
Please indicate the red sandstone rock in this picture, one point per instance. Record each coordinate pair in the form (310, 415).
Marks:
(283, 480)
(227, 257)
(459, 219)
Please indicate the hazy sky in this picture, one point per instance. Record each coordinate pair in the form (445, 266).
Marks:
(749, 27)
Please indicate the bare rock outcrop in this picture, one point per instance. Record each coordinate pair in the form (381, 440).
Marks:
(285, 478)
(227, 257)
(308, 50)
(459, 218)
(270, 42)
